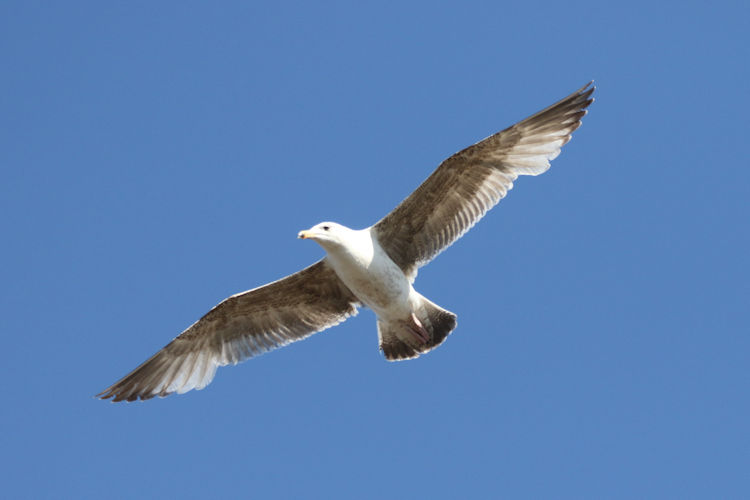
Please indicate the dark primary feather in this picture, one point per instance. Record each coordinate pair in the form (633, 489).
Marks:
(241, 326)
(466, 185)
(444, 207)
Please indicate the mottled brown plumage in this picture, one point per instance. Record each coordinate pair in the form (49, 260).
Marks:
(457, 194)
(240, 327)
(466, 185)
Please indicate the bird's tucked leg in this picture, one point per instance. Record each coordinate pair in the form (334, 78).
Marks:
(419, 331)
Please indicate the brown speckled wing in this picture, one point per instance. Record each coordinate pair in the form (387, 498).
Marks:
(469, 183)
(242, 326)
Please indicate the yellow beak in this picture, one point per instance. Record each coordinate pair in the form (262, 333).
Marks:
(304, 234)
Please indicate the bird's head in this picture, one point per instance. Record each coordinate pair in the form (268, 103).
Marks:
(326, 234)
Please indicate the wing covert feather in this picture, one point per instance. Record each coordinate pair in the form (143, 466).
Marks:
(469, 183)
(242, 326)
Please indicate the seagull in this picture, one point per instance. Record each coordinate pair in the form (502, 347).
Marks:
(373, 267)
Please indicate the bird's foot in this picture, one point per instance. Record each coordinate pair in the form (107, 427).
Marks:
(419, 331)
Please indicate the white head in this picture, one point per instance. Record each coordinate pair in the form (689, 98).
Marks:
(326, 234)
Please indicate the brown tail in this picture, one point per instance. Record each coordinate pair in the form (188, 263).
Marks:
(398, 341)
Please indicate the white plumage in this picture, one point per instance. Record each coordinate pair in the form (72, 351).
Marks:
(374, 267)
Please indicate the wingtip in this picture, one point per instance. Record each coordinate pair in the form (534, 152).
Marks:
(115, 397)
(586, 91)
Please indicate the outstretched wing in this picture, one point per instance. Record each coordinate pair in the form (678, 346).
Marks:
(240, 327)
(466, 185)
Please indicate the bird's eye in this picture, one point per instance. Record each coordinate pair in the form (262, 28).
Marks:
(326, 228)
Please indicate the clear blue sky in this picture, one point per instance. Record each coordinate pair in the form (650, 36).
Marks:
(158, 157)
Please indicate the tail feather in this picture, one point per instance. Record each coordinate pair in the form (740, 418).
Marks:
(398, 342)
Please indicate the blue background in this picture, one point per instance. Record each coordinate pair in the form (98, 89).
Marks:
(158, 157)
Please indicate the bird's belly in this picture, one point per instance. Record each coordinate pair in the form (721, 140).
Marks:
(380, 285)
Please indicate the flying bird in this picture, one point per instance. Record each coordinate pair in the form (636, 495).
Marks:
(373, 267)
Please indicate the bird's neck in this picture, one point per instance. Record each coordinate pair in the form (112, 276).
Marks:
(356, 249)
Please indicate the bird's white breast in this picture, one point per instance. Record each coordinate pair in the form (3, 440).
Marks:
(371, 275)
